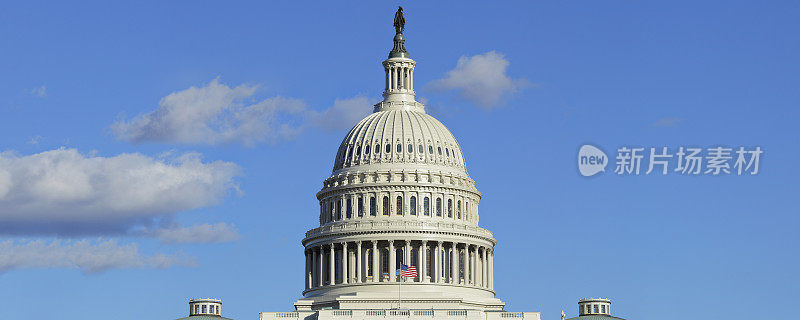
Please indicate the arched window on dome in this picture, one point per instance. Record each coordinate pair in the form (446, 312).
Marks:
(420, 149)
(360, 206)
(412, 206)
(399, 205)
(358, 151)
(366, 150)
(466, 210)
(458, 210)
(440, 150)
(449, 208)
(377, 149)
(430, 149)
(373, 206)
(426, 206)
(338, 209)
(349, 211)
(447, 152)
(399, 148)
(413, 259)
(385, 205)
(438, 207)
(332, 211)
(388, 148)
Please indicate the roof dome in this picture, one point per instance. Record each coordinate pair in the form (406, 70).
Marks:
(399, 135)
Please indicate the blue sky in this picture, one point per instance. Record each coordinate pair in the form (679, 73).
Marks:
(98, 155)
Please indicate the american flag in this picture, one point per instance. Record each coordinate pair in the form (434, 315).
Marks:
(409, 271)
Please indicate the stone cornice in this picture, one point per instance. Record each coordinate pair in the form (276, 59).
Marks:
(396, 227)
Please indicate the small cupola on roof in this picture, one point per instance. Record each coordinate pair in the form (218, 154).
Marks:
(594, 306)
(205, 307)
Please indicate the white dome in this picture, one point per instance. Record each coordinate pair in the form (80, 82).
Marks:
(411, 137)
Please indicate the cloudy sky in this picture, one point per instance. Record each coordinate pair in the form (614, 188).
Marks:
(155, 152)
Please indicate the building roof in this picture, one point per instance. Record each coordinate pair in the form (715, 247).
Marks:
(204, 317)
(595, 317)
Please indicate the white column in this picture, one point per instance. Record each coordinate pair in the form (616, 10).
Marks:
(408, 78)
(473, 266)
(479, 277)
(332, 265)
(491, 269)
(411, 76)
(423, 268)
(359, 262)
(484, 270)
(394, 82)
(314, 263)
(308, 272)
(375, 257)
(321, 273)
(407, 256)
(454, 264)
(438, 257)
(345, 257)
(392, 261)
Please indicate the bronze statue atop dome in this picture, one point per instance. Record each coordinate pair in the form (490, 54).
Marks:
(399, 20)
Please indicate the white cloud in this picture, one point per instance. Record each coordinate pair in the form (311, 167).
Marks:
(39, 91)
(200, 233)
(65, 192)
(481, 79)
(344, 113)
(215, 114)
(87, 256)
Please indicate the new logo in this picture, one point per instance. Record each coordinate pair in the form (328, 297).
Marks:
(591, 160)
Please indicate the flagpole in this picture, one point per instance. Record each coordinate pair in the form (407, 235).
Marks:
(399, 300)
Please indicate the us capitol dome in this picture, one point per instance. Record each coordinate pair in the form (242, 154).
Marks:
(399, 233)
(399, 195)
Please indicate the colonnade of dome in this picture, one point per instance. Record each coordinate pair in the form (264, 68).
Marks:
(375, 261)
